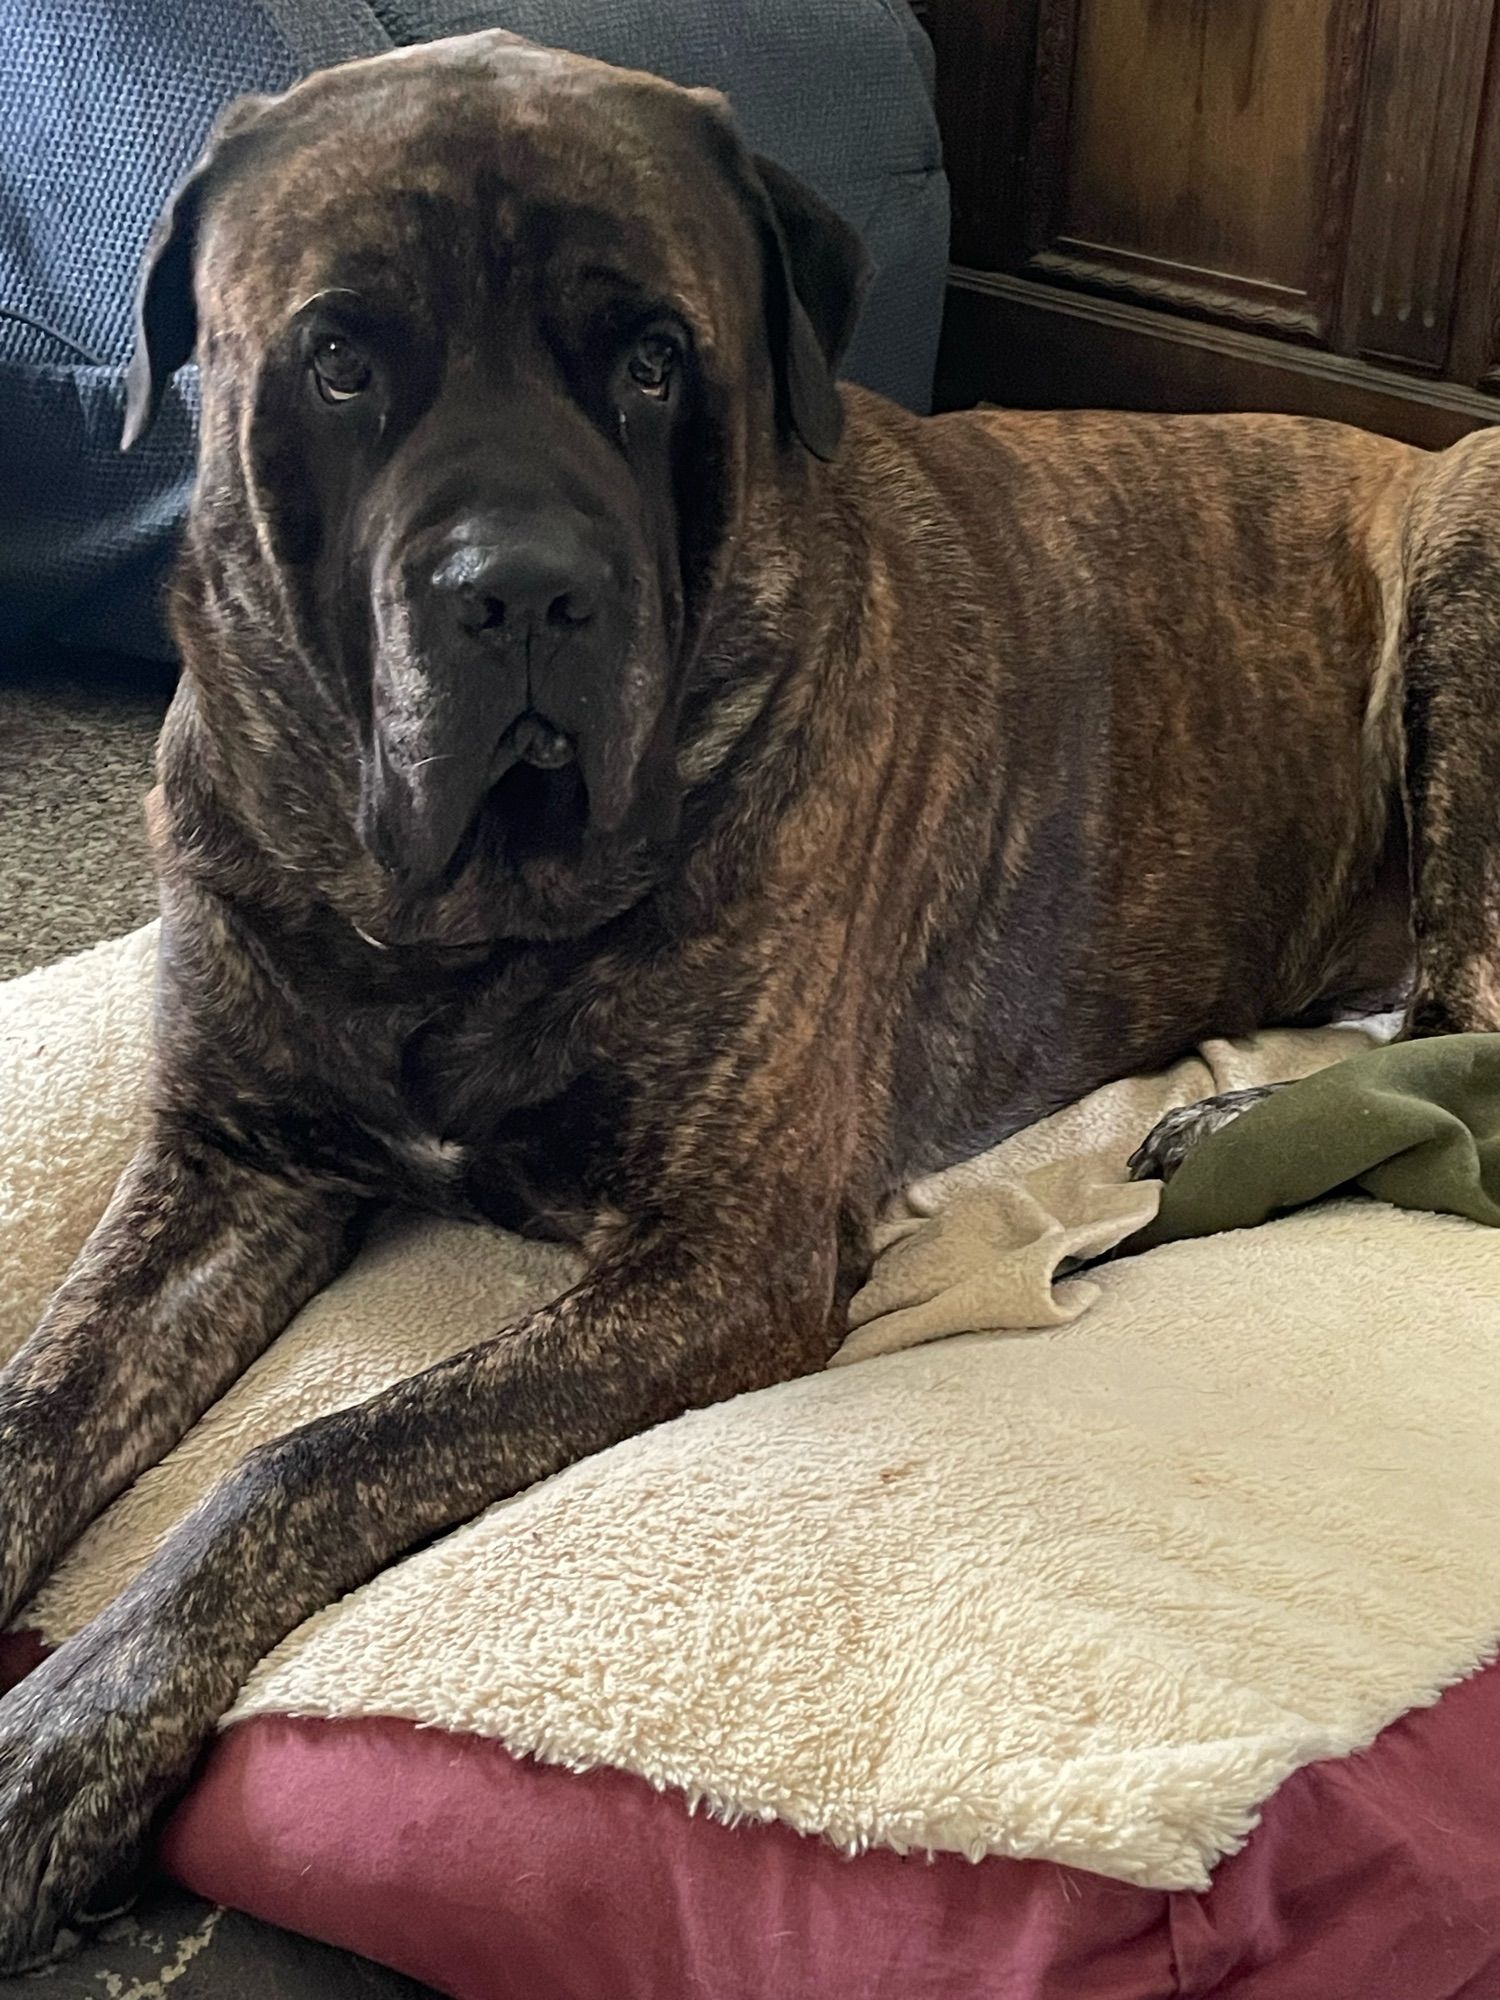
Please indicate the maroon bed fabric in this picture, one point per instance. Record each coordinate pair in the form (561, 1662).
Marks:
(1372, 1878)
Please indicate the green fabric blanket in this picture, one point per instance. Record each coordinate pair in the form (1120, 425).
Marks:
(1415, 1123)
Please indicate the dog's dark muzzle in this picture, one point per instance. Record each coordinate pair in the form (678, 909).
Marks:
(512, 684)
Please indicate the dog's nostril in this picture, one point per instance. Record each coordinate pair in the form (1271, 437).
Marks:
(573, 608)
(478, 612)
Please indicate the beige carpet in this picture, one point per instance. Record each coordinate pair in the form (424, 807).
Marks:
(76, 738)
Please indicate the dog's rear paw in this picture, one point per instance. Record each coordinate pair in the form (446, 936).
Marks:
(1174, 1137)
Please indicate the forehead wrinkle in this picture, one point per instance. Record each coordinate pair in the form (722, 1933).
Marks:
(399, 256)
(680, 256)
(586, 249)
(602, 158)
(330, 292)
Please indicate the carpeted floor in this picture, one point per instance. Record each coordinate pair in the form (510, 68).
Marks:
(76, 738)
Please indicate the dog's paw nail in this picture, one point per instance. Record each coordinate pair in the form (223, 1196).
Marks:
(63, 1945)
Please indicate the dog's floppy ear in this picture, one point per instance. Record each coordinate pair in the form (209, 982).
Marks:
(166, 321)
(816, 277)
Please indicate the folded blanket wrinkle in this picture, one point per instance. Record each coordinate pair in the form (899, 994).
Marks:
(1415, 1123)
(1075, 1564)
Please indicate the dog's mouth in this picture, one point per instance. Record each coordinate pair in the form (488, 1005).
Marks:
(537, 810)
(427, 820)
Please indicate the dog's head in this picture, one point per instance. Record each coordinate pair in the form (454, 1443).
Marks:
(493, 342)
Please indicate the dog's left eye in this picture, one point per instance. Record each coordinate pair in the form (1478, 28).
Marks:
(339, 369)
(653, 361)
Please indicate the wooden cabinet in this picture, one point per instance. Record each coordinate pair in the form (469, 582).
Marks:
(1211, 204)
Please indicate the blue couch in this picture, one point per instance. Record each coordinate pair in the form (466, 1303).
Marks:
(106, 101)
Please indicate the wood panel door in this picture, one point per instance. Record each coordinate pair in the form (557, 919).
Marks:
(1273, 204)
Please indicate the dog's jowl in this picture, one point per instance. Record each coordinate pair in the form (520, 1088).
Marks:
(623, 786)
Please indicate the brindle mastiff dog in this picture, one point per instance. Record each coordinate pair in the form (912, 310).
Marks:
(622, 786)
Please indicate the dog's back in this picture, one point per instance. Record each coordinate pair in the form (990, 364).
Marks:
(1173, 660)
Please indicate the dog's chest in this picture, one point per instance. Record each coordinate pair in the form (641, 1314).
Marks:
(498, 1108)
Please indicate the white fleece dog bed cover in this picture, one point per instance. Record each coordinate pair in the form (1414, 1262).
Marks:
(1075, 1568)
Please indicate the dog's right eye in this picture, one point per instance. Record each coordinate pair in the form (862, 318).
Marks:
(340, 371)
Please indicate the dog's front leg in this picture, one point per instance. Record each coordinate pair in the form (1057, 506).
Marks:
(99, 1735)
(197, 1264)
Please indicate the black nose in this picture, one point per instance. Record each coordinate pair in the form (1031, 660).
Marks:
(545, 576)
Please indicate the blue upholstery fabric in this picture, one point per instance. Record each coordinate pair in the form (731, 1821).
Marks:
(103, 103)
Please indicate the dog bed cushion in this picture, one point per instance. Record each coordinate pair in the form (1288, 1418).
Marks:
(1065, 1575)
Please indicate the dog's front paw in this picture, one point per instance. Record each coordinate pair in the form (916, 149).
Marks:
(1173, 1137)
(82, 1771)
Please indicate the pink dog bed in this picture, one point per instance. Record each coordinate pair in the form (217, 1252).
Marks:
(1375, 1877)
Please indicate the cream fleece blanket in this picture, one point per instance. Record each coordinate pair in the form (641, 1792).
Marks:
(1085, 1582)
